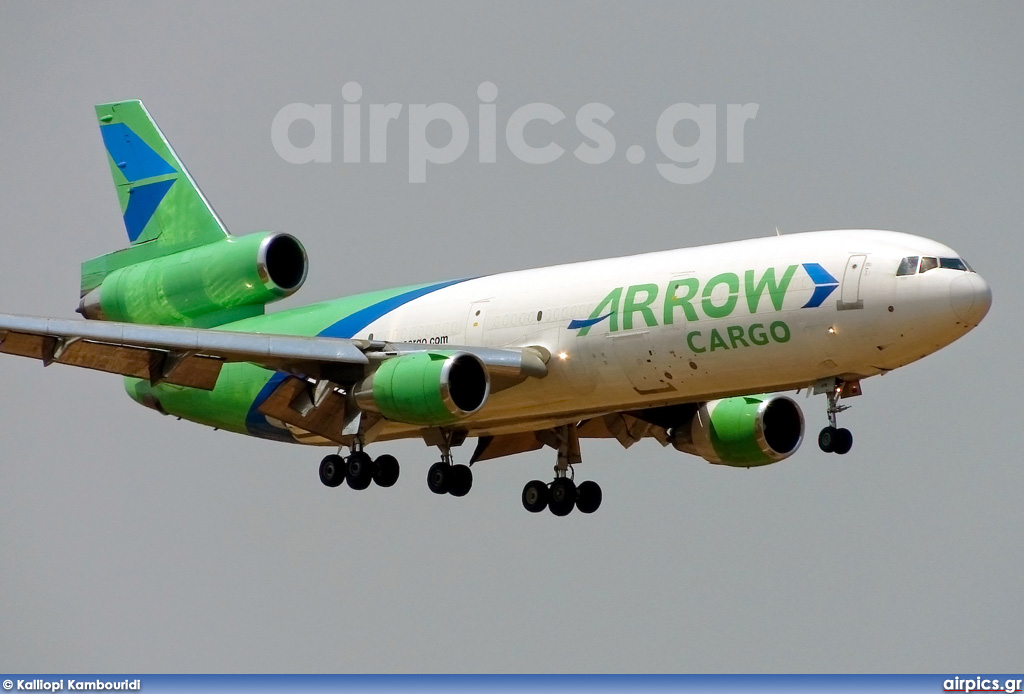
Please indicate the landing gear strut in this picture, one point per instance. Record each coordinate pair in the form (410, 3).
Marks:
(562, 495)
(832, 439)
(445, 477)
(359, 469)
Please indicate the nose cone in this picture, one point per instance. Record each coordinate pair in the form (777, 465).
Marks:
(970, 297)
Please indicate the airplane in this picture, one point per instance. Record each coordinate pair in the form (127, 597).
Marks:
(693, 347)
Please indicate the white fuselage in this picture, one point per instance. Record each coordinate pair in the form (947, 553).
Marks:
(761, 315)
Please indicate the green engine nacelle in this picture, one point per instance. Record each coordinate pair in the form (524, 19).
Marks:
(426, 388)
(203, 286)
(743, 432)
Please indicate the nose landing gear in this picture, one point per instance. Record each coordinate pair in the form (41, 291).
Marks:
(833, 439)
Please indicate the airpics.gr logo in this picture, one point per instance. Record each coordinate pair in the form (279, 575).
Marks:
(625, 307)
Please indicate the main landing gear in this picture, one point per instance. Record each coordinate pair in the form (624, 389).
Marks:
(832, 439)
(445, 477)
(563, 494)
(359, 470)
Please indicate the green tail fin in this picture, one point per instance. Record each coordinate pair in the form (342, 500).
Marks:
(164, 211)
(159, 199)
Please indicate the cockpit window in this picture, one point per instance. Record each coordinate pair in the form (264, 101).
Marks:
(911, 266)
(908, 266)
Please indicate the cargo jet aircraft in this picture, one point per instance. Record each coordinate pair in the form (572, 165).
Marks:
(689, 347)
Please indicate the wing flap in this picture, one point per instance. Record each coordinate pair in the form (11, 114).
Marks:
(624, 427)
(298, 403)
(194, 371)
(491, 447)
(182, 356)
(259, 348)
(31, 346)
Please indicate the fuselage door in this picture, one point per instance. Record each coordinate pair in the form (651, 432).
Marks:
(850, 297)
(475, 323)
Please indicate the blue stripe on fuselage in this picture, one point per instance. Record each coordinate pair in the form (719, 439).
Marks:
(577, 323)
(350, 325)
(256, 423)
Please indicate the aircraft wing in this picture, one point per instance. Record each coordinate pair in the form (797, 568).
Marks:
(193, 357)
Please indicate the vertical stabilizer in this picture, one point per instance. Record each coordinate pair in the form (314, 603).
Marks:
(159, 200)
(164, 211)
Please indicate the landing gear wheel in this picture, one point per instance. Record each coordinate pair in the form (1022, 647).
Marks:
(385, 471)
(535, 496)
(843, 442)
(438, 478)
(460, 480)
(827, 439)
(833, 440)
(360, 470)
(563, 496)
(588, 497)
(332, 470)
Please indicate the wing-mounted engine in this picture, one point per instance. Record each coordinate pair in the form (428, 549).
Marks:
(204, 286)
(402, 383)
(427, 388)
(743, 431)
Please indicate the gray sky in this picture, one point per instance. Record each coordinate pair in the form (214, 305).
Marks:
(132, 542)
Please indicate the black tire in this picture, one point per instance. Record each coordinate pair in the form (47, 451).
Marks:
(535, 496)
(844, 441)
(460, 480)
(563, 496)
(360, 470)
(827, 439)
(438, 478)
(332, 470)
(385, 471)
(588, 497)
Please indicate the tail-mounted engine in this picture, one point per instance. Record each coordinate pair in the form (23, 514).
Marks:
(203, 286)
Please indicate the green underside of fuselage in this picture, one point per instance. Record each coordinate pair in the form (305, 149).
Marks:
(232, 404)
